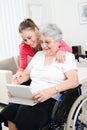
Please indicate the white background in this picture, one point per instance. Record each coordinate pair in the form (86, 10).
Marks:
(65, 13)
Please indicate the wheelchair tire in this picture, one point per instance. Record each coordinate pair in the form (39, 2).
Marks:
(76, 112)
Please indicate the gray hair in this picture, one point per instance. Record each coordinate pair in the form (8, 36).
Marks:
(53, 31)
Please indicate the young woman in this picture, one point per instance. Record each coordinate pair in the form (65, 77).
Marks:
(29, 32)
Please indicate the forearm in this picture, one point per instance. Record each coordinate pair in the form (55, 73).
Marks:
(26, 75)
(26, 78)
(67, 84)
(23, 63)
(23, 58)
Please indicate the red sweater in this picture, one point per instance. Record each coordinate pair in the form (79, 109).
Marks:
(26, 51)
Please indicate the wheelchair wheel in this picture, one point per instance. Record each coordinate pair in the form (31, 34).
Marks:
(77, 118)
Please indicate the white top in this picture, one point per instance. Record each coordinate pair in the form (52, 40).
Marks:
(47, 76)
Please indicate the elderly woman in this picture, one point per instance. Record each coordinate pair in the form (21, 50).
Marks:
(49, 78)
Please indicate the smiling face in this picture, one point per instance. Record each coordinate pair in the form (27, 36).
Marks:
(30, 37)
(49, 45)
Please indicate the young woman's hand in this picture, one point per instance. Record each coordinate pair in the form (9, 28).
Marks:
(17, 78)
(61, 56)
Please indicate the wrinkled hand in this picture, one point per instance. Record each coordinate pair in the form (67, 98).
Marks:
(61, 56)
(43, 95)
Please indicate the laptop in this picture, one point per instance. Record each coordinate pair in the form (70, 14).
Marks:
(21, 94)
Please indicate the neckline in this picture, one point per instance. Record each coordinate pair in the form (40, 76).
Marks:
(54, 59)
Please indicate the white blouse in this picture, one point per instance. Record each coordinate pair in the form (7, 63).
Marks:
(45, 76)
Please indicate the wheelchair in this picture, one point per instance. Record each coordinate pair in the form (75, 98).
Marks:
(62, 114)
(77, 118)
(73, 114)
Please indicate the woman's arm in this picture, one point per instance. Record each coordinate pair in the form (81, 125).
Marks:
(25, 51)
(22, 57)
(70, 82)
(22, 64)
(61, 54)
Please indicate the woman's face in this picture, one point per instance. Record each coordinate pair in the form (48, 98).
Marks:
(30, 37)
(49, 45)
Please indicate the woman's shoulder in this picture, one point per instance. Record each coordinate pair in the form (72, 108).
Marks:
(40, 52)
(26, 49)
(23, 45)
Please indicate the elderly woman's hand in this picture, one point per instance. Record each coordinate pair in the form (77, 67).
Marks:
(61, 56)
(44, 94)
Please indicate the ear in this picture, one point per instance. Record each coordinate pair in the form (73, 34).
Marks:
(36, 29)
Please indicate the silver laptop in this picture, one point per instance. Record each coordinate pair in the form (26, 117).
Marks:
(21, 94)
